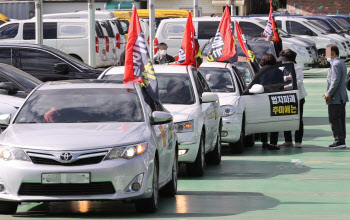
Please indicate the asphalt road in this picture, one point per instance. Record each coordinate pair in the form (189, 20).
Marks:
(308, 183)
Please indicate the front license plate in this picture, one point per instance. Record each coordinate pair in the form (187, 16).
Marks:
(65, 178)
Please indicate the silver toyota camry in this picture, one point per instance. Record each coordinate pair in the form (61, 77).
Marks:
(88, 140)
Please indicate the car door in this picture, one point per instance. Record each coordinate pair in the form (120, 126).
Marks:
(210, 110)
(273, 109)
(40, 64)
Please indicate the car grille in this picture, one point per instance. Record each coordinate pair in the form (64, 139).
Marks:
(78, 158)
(38, 189)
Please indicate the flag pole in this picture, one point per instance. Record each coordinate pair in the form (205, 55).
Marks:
(91, 27)
(39, 22)
(151, 28)
(195, 8)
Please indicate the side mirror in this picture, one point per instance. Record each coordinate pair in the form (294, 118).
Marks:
(256, 89)
(61, 68)
(159, 117)
(8, 86)
(209, 97)
(308, 32)
(5, 119)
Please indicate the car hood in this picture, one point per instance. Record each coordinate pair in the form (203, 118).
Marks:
(293, 40)
(180, 112)
(77, 136)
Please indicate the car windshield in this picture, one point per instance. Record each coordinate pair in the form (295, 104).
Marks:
(342, 22)
(81, 106)
(175, 89)
(243, 69)
(219, 79)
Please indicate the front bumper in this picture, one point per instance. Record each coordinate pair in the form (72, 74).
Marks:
(231, 128)
(188, 141)
(119, 172)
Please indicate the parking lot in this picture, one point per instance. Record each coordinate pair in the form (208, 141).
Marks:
(307, 183)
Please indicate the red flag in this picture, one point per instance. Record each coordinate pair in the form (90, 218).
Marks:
(224, 45)
(190, 52)
(271, 31)
(138, 65)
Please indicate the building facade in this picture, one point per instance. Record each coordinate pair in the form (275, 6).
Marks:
(304, 7)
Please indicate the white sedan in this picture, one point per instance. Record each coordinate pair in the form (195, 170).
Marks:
(186, 94)
(262, 106)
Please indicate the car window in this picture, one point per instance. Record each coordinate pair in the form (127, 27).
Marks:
(219, 79)
(5, 56)
(174, 30)
(272, 78)
(297, 28)
(108, 29)
(6, 80)
(243, 69)
(119, 26)
(38, 60)
(9, 31)
(99, 32)
(49, 31)
(175, 89)
(81, 105)
(207, 29)
(251, 29)
(203, 82)
(72, 30)
(125, 25)
(279, 24)
(2, 22)
(320, 24)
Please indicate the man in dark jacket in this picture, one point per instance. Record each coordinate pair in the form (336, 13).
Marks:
(336, 96)
(162, 57)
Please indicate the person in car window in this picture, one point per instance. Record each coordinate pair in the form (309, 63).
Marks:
(162, 57)
(269, 79)
(288, 56)
(177, 92)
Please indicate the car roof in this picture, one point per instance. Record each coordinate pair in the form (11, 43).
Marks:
(214, 64)
(157, 68)
(85, 84)
(61, 20)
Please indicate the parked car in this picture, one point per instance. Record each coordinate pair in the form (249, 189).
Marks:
(342, 21)
(67, 35)
(15, 82)
(88, 140)
(196, 111)
(45, 63)
(9, 106)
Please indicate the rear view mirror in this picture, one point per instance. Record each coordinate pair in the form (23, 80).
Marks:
(256, 89)
(5, 119)
(8, 86)
(209, 97)
(61, 68)
(159, 117)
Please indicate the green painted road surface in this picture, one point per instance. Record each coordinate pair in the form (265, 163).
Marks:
(296, 184)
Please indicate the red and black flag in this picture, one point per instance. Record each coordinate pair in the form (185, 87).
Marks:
(223, 47)
(271, 31)
(138, 65)
(190, 52)
(245, 47)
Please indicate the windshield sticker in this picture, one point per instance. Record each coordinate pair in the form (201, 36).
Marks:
(285, 104)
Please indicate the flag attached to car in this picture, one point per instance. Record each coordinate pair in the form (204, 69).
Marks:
(245, 47)
(138, 65)
(190, 51)
(224, 45)
(271, 31)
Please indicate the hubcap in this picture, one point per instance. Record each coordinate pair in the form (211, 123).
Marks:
(322, 60)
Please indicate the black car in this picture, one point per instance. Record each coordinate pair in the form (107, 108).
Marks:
(45, 63)
(15, 82)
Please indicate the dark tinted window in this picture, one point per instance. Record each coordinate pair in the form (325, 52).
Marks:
(207, 29)
(2, 22)
(125, 26)
(219, 79)
(82, 105)
(5, 55)
(99, 32)
(296, 28)
(279, 24)
(9, 31)
(119, 26)
(108, 28)
(38, 60)
(251, 29)
(244, 70)
(50, 31)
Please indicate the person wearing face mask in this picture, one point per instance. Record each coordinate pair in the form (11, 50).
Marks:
(162, 57)
(336, 96)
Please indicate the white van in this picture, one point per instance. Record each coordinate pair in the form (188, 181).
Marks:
(171, 32)
(302, 27)
(67, 35)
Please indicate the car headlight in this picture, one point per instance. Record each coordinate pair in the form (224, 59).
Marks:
(12, 153)
(227, 110)
(127, 152)
(186, 126)
(301, 50)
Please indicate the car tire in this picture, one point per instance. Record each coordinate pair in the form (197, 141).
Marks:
(150, 205)
(238, 147)
(322, 59)
(8, 208)
(170, 189)
(214, 157)
(249, 140)
(197, 167)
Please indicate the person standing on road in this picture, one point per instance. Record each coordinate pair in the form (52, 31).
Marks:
(336, 96)
(288, 56)
(162, 57)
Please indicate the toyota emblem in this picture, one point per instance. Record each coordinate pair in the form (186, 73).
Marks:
(66, 157)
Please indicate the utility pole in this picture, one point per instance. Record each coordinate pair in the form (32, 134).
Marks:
(91, 27)
(195, 8)
(39, 22)
(151, 28)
